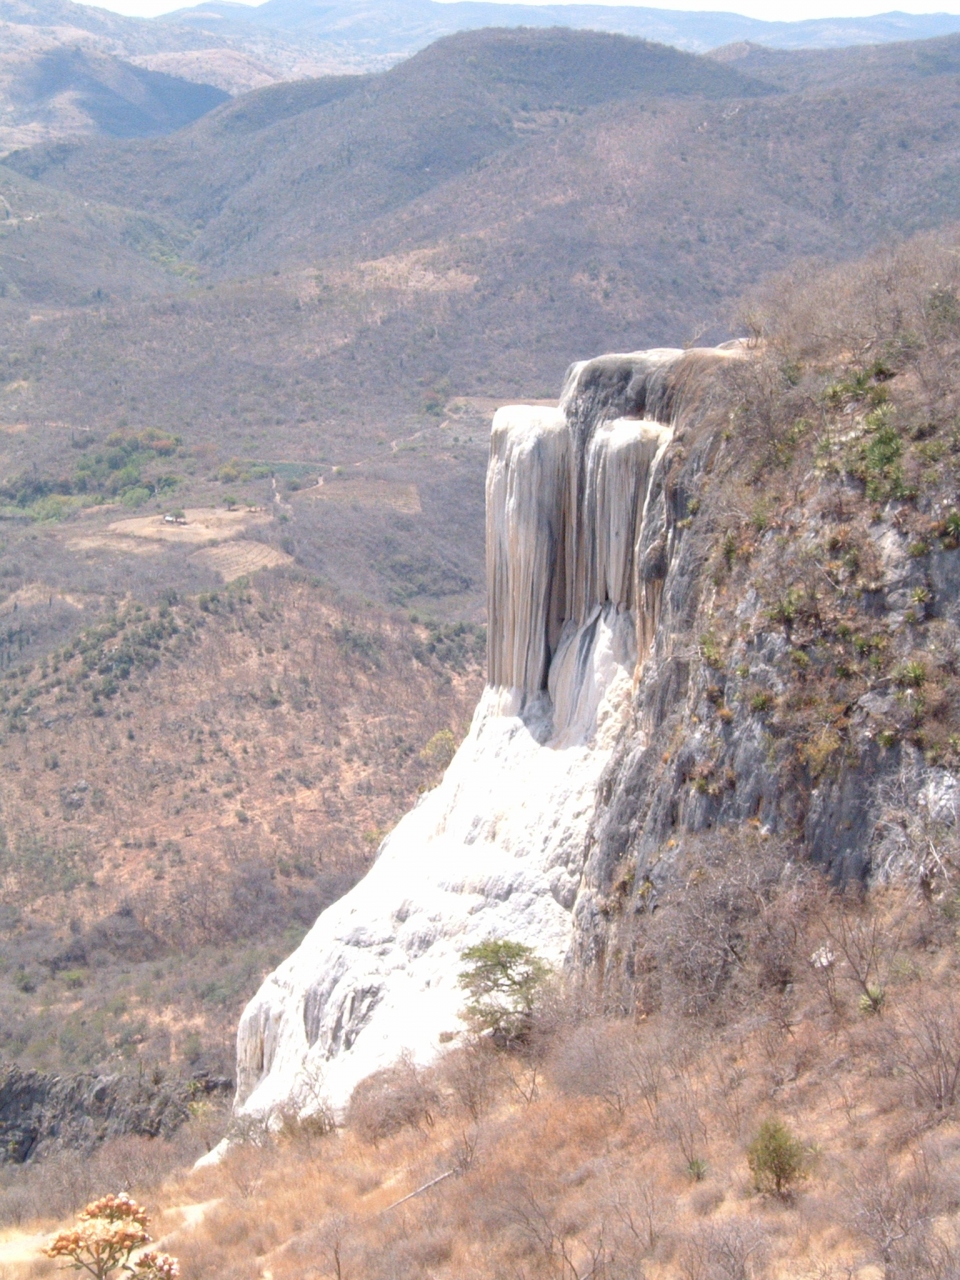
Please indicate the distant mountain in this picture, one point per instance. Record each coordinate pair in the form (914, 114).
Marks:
(237, 48)
(65, 14)
(310, 165)
(470, 219)
(82, 91)
(910, 62)
(66, 70)
(395, 27)
(57, 80)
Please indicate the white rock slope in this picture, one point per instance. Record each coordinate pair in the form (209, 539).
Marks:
(497, 850)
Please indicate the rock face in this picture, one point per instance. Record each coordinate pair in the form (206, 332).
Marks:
(41, 1114)
(662, 665)
(580, 539)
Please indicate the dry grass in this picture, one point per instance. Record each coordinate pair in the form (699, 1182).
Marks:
(617, 1147)
(207, 807)
(365, 492)
(242, 559)
(200, 525)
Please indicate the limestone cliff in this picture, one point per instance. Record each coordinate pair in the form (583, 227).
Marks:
(695, 623)
(581, 536)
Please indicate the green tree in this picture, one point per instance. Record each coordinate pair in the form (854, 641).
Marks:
(776, 1158)
(502, 980)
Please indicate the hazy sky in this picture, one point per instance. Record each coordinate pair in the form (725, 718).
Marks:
(772, 10)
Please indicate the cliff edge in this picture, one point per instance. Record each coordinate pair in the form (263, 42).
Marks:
(724, 595)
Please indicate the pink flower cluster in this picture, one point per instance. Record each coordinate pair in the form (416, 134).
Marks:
(157, 1266)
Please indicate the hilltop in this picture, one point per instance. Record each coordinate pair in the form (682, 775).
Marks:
(345, 151)
(440, 230)
(69, 70)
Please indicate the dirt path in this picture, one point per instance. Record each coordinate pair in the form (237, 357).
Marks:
(20, 1248)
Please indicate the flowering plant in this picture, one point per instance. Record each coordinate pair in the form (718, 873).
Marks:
(107, 1234)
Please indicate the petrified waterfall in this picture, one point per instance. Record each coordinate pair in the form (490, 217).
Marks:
(578, 541)
(562, 531)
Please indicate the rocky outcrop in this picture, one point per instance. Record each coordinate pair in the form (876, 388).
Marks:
(41, 1114)
(662, 664)
(581, 533)
(801, 682)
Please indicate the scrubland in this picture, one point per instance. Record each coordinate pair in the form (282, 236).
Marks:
(746, 987)
(184, 788)
(242, 748)
(465, 231)
(615, 1142)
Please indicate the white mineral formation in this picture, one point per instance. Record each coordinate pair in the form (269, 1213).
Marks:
(497, 849)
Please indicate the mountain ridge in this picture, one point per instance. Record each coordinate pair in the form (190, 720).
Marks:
(387, 25)
(624, 217)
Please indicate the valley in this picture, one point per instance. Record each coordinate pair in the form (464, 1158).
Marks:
(286, 323)
(703, 770)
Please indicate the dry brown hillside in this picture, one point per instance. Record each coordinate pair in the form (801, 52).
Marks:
(442, 228)
(619, 1147)
(184, 787)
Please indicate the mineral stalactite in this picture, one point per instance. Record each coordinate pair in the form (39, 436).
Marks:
(579, 538)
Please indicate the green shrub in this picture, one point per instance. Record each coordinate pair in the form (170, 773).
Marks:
(877, 460)
(872, 999)
(912, 675)
(951, 528)
(776, 1158)
(711, 649)
(441, 749)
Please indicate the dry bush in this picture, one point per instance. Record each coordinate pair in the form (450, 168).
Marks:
(732, 930)
(684, 1119)
(597, 1060)
(628, 1066)
(724, 1251)
(701, 941)
(538, 1229)
(402, 1254)
(897, 1213)
(778, 933)
(473, 1075)
(923, 1044)
(857, 944)
(308, 1120)
(333, 1246)
(247, 1164)
(388, 1101)
(306, 1129)
(60, 1184)
(901, 302)
(207, 1256)
(642, 1211)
